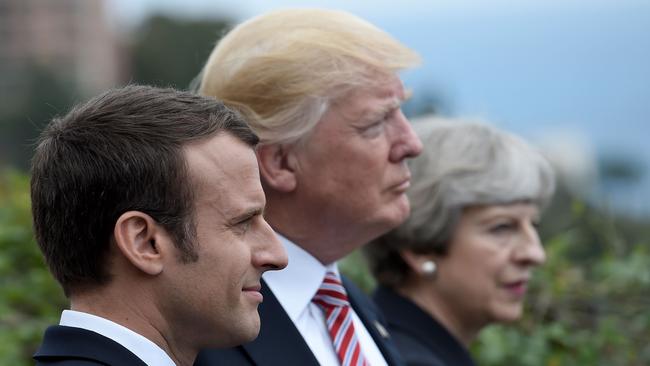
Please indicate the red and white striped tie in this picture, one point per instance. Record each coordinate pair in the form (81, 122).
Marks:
(331, 297)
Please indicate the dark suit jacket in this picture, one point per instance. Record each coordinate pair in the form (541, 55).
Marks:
(419, 337)
(280, 343)
(68, 346)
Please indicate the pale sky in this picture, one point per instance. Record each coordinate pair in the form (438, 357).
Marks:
(132, 11)
(539, 68)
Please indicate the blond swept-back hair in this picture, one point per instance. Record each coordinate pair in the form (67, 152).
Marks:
(283, 69)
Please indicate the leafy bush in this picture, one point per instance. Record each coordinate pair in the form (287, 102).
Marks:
(591, 314)
(30, 299)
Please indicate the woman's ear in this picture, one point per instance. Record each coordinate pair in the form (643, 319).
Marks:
(139, 238)
(277, 167)
(422, 264)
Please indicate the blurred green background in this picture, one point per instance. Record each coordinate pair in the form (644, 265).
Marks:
(588, 305)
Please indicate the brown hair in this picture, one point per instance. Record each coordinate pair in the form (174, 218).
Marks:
(118, 152)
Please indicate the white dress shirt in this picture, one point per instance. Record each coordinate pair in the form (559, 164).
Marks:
(295, 286)
(140, 346)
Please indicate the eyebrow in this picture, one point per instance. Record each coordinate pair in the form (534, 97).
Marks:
(247, 214)
(397, 102)
(503, 215)
(393, 104)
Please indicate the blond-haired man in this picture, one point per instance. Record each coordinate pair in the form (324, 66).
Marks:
(320, 87)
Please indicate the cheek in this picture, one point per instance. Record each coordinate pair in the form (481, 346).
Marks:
(364, 157)
(484, 257)
(238, 260)
(360, 183)
(229, 264)
(472, 275)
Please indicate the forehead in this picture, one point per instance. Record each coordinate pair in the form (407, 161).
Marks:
(385, 93)
(225, 174)
(519, 209)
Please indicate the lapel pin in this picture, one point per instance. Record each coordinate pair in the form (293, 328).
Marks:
(382, 330)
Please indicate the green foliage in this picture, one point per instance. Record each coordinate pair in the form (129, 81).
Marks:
(44, 94)
(578, 314)
(355, 268)
(30, 299)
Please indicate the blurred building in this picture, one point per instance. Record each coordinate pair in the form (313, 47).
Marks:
(70, 38)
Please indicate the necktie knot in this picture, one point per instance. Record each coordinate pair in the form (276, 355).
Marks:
(331, 293)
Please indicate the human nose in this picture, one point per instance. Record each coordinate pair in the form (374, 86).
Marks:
(530, 252)
(270, 254)
(406, 142)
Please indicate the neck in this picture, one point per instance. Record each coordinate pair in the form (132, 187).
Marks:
(127, 312)
(322, 236)
(463, 327)
(304, 232)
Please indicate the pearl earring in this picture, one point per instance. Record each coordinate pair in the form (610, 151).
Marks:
(429, 268)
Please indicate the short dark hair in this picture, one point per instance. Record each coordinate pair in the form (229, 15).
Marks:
(120, 151)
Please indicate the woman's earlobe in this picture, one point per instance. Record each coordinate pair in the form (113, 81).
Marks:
(429, 268)
(421, 264)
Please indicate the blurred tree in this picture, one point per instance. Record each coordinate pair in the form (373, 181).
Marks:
(171, 52)
(615, 168)
(45, 95)
(427, 101)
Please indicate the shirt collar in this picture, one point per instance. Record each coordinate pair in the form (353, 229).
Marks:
(140, 346)
(295, 296)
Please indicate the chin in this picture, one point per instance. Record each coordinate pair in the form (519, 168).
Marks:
(243, 336)
(253, 330)
(509, 314)
(250, 336)
(399, 212)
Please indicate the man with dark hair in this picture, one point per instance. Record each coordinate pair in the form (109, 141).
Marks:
(147, 206)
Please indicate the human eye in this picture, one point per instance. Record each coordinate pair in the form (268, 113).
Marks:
(377, 126)
(503, 227)
(243, 225)
(373, 129)
(246, 224)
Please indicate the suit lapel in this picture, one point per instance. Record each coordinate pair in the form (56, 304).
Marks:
(279, 342)
(60, 343)
(373, 321)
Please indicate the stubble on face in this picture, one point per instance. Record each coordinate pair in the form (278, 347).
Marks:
(215, 292)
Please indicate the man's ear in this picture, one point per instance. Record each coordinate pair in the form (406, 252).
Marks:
(277, 167)
(140, 239)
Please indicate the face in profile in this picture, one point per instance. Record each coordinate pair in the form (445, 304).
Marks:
(218, 295)
(484, 276)
(353, 163)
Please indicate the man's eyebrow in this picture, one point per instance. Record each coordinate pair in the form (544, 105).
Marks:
(254, 211)
(393, 104)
